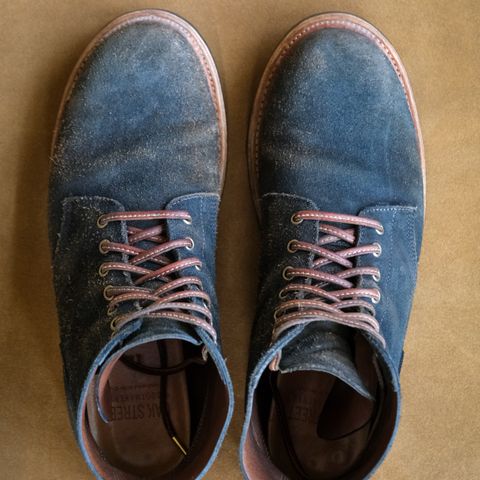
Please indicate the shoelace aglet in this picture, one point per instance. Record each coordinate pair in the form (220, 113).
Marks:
(179, 445)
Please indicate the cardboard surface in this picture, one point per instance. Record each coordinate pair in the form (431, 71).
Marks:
(439, 436)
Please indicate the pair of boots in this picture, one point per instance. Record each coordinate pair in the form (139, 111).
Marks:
(337, 174)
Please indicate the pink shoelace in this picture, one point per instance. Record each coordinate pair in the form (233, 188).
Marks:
(175, 296)
(310, 301)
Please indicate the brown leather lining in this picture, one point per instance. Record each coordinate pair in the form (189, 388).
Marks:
(205, 438)
(137, 438)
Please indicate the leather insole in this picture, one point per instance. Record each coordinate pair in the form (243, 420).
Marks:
(136, 439)
(318, 425)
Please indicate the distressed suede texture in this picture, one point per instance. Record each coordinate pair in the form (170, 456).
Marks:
(336, 135)
(142, 110)
(139, 131)
(438, 43)
(337, 129)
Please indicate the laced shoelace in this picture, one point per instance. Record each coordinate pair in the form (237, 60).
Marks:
(164, 372)
(158, 287)
(320, 295)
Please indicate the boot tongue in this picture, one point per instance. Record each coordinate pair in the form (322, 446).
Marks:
(324, 347)
(150, 331)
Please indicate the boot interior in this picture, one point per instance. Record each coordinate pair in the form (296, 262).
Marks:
(317, 427)
(154, 398)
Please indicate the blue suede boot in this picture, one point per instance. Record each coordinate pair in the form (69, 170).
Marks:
(138, 164)
(337, 171)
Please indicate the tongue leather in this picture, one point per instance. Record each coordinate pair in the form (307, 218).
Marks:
(324, 347)
(150, 331)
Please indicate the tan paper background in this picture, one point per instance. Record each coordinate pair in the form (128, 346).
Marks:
(438, 40)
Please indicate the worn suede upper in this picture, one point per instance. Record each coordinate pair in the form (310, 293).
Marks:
(336, 134)
(141, 109)
(139, 131)
(337, 124)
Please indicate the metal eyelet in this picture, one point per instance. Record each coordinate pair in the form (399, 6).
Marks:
(101, 246)
(282, 295)
(380, 230)
(285, 274)
(377, 254)
(290, 249)
(102, 272)
(295, 220)
(101, 222)
(187, 221)
(377, 300)
(192, 243)
(111, 310)
(198, 267)
(106, 296)
(113, 324)
(378, 277)
(275, 314)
